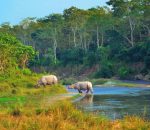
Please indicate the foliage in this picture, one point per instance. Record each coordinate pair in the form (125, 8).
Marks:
(13, 54)
(123, 72)
(105, 71)
(96, 36)
(26, 72)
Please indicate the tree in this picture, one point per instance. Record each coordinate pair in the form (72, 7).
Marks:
(129, 14)
(75, 19)
(13, 53)
(99, 21)
(48, 35)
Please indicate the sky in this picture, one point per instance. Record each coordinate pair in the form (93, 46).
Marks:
(13, 11)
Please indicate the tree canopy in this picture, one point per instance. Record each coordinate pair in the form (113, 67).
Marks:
(117, 37)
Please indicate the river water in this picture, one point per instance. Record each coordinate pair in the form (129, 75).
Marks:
(115, 102)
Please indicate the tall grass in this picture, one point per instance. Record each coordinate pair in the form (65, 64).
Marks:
(27, 110)
(24, 85)
(64, 116)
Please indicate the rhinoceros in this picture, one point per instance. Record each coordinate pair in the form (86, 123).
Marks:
(84, 85)
(47, 80)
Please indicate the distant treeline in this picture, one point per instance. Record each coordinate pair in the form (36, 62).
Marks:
(115, 39)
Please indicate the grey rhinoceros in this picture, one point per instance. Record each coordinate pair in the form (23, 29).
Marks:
(84, 85)
(47, 80)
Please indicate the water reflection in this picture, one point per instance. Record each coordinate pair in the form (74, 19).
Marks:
(87, 100)
(118, 103)
(86, 103)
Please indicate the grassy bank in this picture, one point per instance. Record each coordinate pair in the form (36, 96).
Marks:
(24, 107)
(102, 82)
(19, 93)
(64, 116)
(24, 85)
(114, 82)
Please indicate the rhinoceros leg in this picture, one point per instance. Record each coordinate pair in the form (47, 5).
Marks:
(87, 87)
(79, 91)
(87, 91)
(44, 84)
(91, 90)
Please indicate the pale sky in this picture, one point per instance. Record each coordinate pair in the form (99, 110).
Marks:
(14, 11)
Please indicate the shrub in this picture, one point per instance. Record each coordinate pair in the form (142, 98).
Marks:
(68, 81)
(123, 72)
(99, 81)
(106, 71)
(147, 62)
(26, 71)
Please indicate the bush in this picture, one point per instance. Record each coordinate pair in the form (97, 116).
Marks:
(147, 62)
(123, 72)
(99, 81)
(68, 81)
(106, 71)
(26, 71)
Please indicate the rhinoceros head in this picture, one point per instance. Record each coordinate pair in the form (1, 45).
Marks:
(71, 86)
(38, 84)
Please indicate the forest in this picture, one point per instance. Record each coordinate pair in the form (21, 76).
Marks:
(108, 46)
(101, 42)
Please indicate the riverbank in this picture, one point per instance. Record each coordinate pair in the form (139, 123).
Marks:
(124, 83)
(63, 115)
(109, 82)
(50, 108)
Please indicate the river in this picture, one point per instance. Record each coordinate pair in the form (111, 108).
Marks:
(115, 102)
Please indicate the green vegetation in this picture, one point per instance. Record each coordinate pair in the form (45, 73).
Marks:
(64, 116)
(80, 44)
(100, 41)
(13, 55)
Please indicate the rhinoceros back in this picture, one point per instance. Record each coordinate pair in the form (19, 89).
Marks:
(49, 79)
(84, 85)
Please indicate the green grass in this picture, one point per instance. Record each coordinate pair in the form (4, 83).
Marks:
(99, 81)
(25, 107)
(102, 82)
(75, 96)
(19, 93)
(24, 85)
(109, 82)
(15, 98)
(67, 81)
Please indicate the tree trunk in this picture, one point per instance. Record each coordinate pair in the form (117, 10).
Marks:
(102, 40)
(23, 61)
(97, 36)
(132, 27)
(69, 41)
(55, 46)
(74, 37)
(85, 43)
(81, 41)
(54, 49)
(140, 36)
